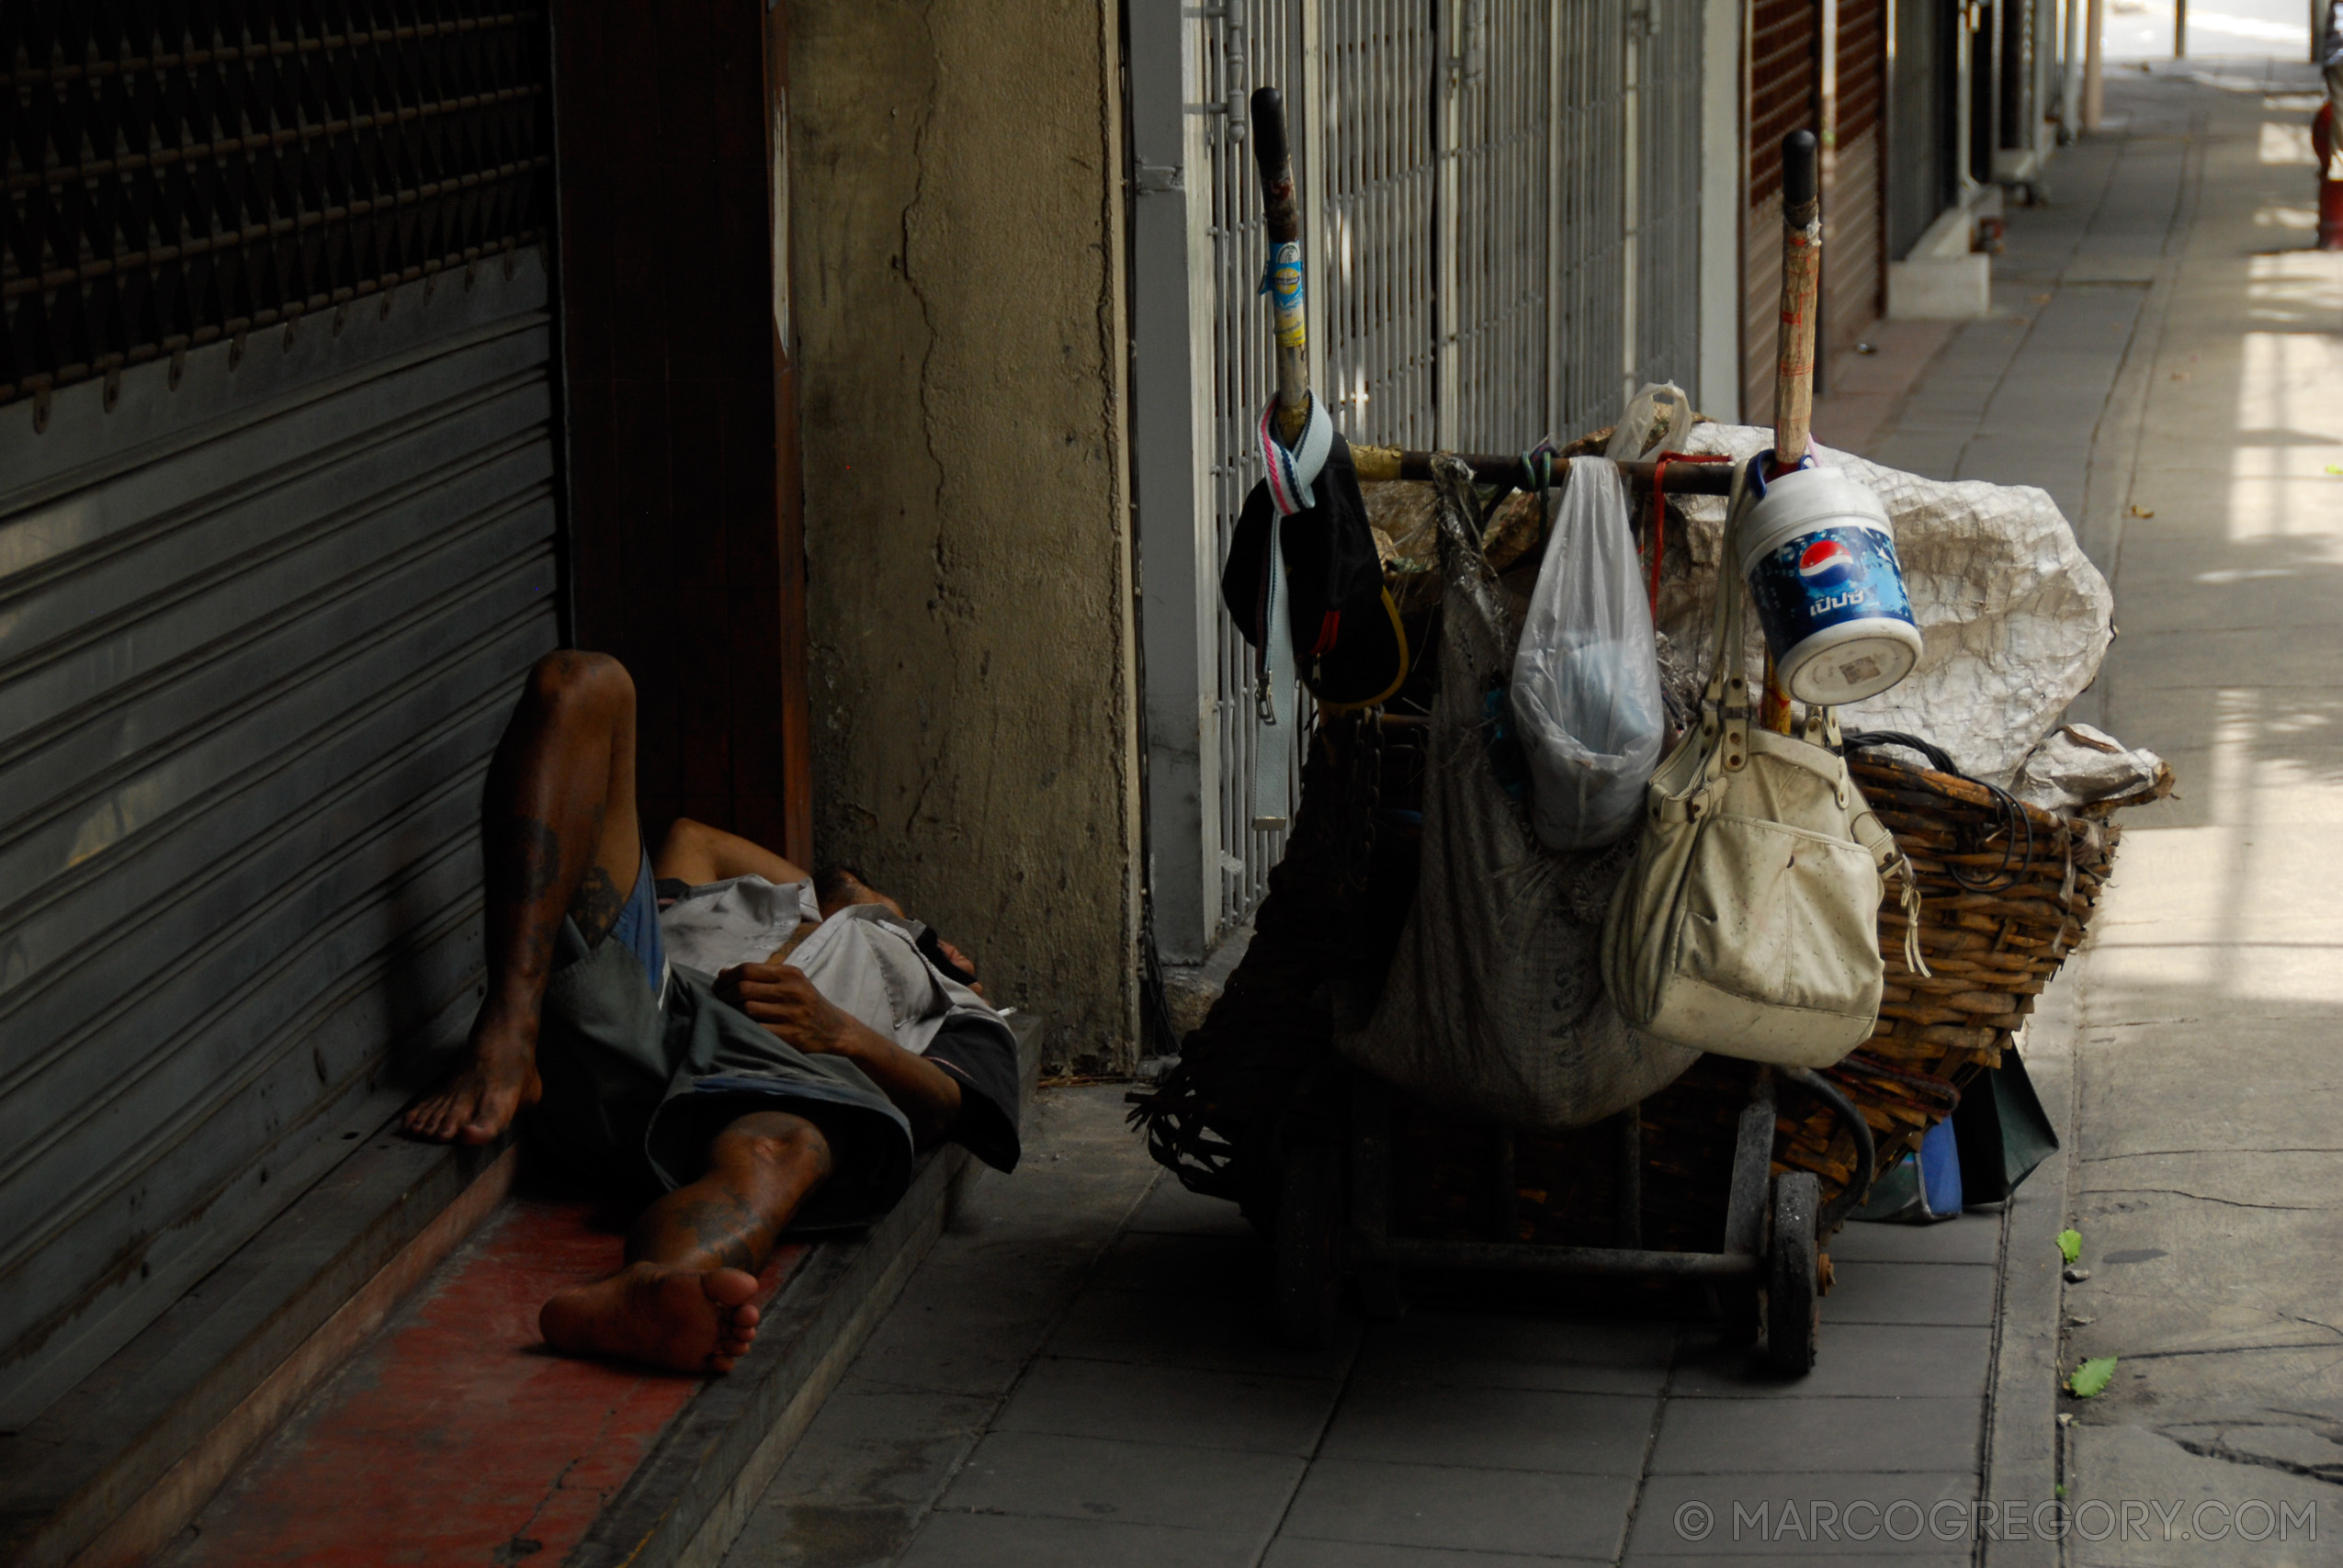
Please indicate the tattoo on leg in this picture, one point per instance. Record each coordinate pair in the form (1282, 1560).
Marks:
(723, 1226)
(597, 904)
(531, 863)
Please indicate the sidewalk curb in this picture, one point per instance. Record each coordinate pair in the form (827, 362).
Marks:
(688, 1499)
(2022, 1444)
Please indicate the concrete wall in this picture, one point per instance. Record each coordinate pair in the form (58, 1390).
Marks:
(956, 223)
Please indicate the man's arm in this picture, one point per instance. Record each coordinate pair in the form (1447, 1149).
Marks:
(780, 998)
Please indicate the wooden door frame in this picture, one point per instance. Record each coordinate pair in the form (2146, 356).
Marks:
(684, 504)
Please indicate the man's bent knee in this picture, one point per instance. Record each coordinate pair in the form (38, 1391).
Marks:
(776, 1141)
(571, 677)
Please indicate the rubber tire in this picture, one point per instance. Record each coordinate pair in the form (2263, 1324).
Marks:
(1793, 1266)
(1794, 1304)
(1306, 1285)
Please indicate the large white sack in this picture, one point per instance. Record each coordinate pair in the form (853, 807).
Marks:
(2014, 618)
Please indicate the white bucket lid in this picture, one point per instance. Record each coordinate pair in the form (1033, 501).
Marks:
(1852, 660)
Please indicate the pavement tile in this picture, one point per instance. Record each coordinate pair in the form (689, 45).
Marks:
(1868, 1290)
(823, 1534)
(1172, 1208)
(1170, 1404)
(1492, 1428)
(875, 1445)
(2113, 1463)
(1185, 1265)
(1972, 1239)
(1291, 1551)
(991, 1540)
(1094, 1478)
(1226, 1333)
(1723, 1436)
(1693, 1516)
(1857, 1360)
(1514, 1350)
(1526, 1512)
(1904, 1557)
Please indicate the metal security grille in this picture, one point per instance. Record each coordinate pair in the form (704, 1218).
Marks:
(179, 173)
(1588, 215)
(1667, 192)
(1381, 177)
(1474, 209)
(1495, 228)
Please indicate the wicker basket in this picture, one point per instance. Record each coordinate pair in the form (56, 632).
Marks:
(2006, 893)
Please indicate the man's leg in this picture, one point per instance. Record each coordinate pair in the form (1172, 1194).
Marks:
(692, 1258)
(695, 854)
(559, 836)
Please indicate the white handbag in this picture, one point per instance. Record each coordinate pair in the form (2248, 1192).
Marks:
(1749, 924)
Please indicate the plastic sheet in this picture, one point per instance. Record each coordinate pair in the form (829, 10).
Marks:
(2014, 618)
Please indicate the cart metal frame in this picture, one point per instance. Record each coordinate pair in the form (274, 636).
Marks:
(1333, 1225)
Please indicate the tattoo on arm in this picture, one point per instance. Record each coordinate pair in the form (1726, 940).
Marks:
(598, 903)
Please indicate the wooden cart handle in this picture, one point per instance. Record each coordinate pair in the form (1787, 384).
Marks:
(1273, 155)
(1801, 292)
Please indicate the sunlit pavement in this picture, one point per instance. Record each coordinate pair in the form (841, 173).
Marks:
(2209, 1168)
(2141, 30)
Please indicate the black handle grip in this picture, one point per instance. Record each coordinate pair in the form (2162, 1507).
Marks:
(1801, 180)
(1273, 156)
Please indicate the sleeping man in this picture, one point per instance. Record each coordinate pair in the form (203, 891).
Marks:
(761, 1049)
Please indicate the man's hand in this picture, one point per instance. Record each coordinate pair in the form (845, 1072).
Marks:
(962, 961)
(780, 998)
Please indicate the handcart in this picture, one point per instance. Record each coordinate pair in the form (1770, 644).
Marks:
(1263, 1112)
(1333, 1223)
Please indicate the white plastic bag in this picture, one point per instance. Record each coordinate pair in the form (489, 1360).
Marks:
(1586, 675)
(1658, 419)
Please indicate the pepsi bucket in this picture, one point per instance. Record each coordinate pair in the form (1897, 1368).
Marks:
(1818, 554)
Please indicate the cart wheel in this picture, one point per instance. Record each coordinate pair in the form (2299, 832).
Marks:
(1306, 1289)
(1793, 1300)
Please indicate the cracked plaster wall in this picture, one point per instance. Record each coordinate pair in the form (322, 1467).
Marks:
(956, 249)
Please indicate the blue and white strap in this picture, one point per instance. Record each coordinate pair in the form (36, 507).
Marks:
(1293, 478)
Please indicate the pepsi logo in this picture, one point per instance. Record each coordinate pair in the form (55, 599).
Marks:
(1825, 563)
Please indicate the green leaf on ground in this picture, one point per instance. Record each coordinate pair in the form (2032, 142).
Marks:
(2089, 1380)
(2070, 1245)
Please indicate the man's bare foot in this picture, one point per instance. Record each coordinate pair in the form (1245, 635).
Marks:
(480, 1099)
(693, 1320)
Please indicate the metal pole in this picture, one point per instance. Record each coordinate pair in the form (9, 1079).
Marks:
(2094, 81)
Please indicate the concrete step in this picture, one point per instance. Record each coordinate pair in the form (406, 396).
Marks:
(364, 1381)
(113, 1470)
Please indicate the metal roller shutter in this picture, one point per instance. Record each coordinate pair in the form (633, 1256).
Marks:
(278, 537)
(1781, 100)
(1854, 281)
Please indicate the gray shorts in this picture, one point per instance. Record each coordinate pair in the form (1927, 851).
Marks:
(638, 1085)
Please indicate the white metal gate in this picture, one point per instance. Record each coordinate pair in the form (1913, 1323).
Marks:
(1489, 261)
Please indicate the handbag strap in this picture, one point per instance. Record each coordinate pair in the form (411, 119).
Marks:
(1724, 707)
